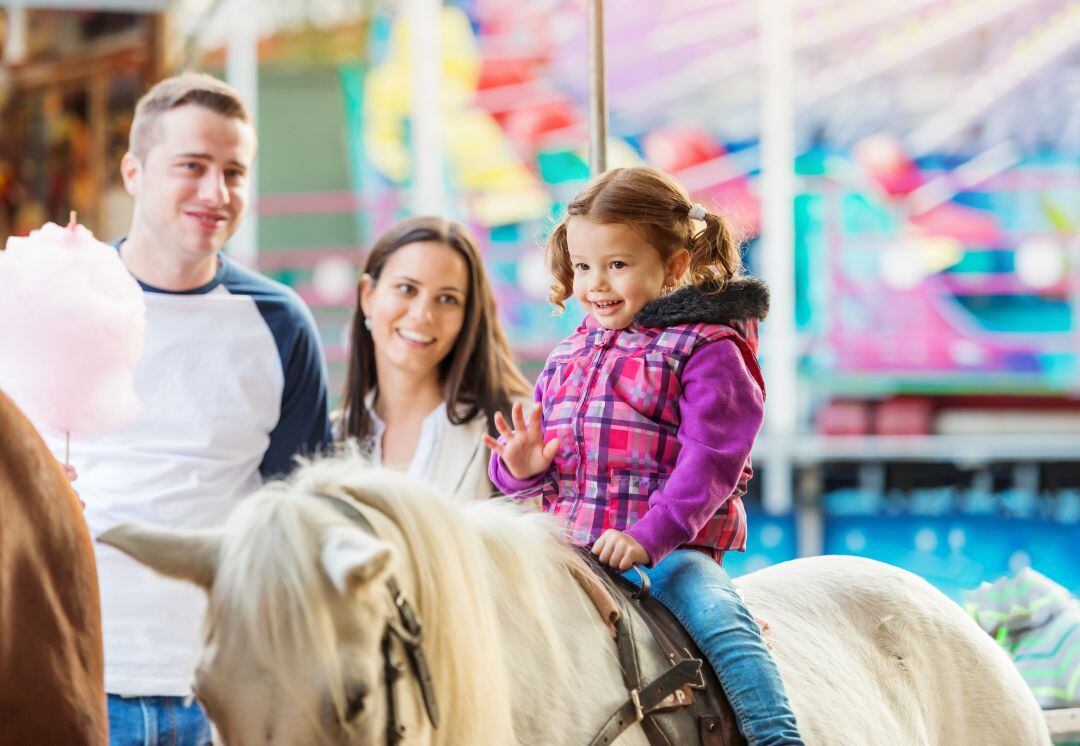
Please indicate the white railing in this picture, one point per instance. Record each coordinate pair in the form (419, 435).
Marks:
(1064, 725)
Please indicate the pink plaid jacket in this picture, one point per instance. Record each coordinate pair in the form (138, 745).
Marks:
(615, 399)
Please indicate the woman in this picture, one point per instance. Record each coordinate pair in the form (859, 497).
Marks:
(429, 364)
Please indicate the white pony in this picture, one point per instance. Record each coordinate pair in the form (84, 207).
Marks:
(298, 608)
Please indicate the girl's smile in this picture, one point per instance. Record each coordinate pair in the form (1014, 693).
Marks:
(605, 307)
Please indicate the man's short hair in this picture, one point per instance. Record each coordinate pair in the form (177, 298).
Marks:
(196, 89)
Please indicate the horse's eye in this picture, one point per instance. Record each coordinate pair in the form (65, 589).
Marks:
(355, 694)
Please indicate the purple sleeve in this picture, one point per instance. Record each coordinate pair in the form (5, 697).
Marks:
(508, 484)
(721, 410)
(500, 476)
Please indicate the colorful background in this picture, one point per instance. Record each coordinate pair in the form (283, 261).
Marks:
(936, 250)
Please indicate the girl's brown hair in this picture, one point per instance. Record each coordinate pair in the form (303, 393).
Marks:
(656, 205)
(478, 373)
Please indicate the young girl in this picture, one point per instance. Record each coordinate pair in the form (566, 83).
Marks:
(647, 413)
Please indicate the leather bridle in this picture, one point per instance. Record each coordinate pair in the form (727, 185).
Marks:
(405, 627)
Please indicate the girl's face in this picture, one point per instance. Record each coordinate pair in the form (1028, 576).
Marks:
(616, 271)
(417, 307)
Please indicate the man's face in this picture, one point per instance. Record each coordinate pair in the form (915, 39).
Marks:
(191, 188)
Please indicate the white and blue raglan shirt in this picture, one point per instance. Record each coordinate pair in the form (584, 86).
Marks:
(232, 384)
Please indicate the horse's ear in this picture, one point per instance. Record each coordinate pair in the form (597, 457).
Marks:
(185, 555)
(353, 558)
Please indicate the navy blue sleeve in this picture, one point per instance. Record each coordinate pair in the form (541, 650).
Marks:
(304, 425)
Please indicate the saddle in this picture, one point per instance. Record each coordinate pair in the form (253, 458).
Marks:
(672, 690)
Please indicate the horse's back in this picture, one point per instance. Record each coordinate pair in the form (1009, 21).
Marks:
(51, 663)
(871, 653)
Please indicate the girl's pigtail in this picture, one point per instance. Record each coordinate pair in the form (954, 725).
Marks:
(715, 257)
(559, 267)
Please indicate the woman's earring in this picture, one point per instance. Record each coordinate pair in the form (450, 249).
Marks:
(367, 323)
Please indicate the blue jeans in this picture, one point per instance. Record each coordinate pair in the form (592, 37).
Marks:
(698, 591)
(156, 721)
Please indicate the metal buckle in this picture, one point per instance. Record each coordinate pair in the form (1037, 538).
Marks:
(644, 589)
(407, 615)
(700, 683)
(639, 714)
(408, 638)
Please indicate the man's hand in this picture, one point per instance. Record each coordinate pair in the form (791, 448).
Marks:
(523, 451)
(619, 550)
(72, 475)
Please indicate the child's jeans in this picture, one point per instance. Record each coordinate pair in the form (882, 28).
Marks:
(698, 591)
(156, 721)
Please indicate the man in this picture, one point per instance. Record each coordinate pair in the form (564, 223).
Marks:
(232, 385)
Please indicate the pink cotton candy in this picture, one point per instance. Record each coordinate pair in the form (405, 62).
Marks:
(72, 322)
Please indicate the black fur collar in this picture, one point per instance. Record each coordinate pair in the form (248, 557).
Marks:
(741, 298)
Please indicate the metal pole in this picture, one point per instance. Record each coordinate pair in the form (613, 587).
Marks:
(598, 114)
(425, 59)
(779, 352)
(15, 46)
(242, 73)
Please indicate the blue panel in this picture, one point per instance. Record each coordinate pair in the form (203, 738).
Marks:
(956, 553)
(770, 540)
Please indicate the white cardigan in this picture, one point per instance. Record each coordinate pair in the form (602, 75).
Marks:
(458, 467)
(460, 462)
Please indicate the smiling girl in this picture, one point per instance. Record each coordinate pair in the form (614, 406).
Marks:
(647, 414)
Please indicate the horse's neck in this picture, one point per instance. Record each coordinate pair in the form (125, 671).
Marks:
(51, 609)
(561, 701)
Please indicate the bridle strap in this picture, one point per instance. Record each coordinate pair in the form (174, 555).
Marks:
(406, 627)
(392, 671)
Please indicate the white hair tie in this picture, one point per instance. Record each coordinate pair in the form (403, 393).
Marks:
(697, 212)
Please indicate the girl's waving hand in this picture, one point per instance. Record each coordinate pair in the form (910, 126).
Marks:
(522, 449)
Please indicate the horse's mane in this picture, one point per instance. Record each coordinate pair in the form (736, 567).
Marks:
(470, 563)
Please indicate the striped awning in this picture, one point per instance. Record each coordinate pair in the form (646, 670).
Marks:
(109, 6)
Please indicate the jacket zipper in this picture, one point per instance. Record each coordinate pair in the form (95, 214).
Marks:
(601, 345)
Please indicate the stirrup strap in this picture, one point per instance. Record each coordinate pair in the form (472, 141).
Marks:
(644, 701)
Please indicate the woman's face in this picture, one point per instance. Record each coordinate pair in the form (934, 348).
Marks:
(417, 307)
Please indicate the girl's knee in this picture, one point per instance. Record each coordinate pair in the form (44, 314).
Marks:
(687, 567)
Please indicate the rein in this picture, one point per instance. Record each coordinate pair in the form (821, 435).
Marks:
(406, 628)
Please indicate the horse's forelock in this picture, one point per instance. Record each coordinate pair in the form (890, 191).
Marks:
(269, 592)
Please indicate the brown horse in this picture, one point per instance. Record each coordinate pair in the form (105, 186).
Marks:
(52, 685)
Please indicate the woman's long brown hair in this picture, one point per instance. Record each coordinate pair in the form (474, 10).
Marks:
(478, 374)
